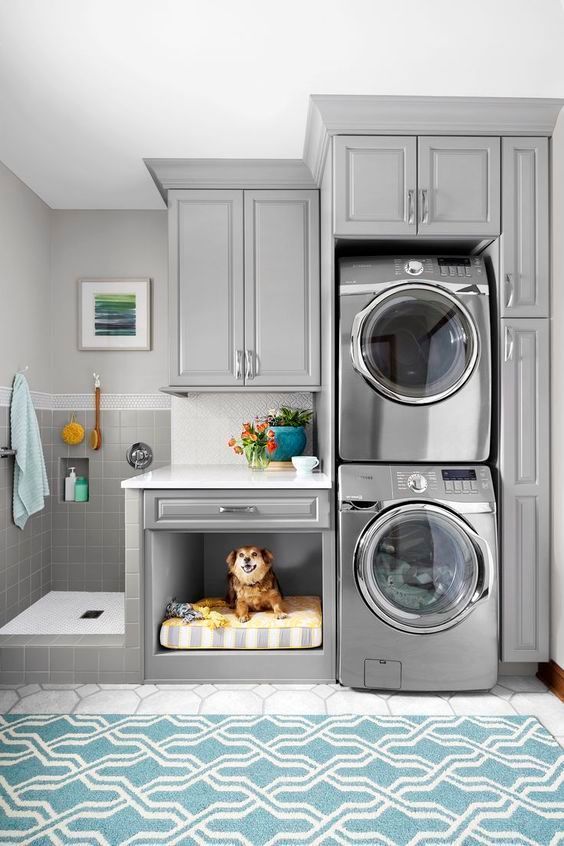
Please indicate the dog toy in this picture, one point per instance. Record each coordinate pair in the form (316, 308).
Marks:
(182, 610)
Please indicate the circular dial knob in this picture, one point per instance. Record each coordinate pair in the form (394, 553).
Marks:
(414, 267)
(417, 482)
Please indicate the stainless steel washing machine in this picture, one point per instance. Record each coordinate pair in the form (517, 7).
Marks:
(415, 379)
(418, 577)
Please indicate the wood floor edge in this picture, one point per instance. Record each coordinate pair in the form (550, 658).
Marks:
(552, 674)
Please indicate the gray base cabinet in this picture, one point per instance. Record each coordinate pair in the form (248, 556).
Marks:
(244, 289)
(188, 535)
(525, 237)
(525, 487)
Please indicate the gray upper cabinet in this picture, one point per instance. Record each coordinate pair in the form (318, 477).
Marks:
(244, 288)
(459, 182)
(525, 238)
(427, 185)
(282, 288)
(525, 485)
(375, 185)
(206, 287)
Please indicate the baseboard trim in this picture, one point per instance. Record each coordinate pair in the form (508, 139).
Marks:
(552, 674)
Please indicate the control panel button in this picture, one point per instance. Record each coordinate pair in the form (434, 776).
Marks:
(449, 487)
(414, 267)
(466, 486)
(417, 482)
(458, 487)
(474, 486)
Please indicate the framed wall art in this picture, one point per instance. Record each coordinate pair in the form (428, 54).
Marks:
(114, 314)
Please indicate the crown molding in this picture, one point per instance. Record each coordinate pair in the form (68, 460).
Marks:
(229, 173)
(343, 114)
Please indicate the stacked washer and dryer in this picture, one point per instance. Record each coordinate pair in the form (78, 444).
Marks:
(418, 570)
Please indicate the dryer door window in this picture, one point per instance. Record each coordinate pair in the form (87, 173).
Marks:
(415, 344)
(417, 568)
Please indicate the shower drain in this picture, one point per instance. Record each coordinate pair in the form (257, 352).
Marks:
(91, 615)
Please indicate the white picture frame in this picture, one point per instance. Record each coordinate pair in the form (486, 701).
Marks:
(114, 314)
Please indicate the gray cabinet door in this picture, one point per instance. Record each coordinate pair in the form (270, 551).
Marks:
(206, 288)
(282, 288)
(525, 505)
(375, 185)
(524, 252)
(458, 186)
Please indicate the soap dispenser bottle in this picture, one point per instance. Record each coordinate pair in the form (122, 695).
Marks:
(70, 483)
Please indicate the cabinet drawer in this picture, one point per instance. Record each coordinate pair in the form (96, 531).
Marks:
(195, 510)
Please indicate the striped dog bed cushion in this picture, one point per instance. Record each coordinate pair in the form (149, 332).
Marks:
(301, 629)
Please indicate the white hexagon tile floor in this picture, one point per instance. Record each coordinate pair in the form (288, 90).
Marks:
(512, 695)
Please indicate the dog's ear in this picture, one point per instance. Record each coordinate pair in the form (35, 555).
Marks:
(231, 557)
(267, 556)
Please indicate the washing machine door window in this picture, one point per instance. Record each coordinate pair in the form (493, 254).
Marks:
(416, 344)
(418, 568)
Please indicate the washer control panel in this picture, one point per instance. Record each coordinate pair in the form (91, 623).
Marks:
(380, 483)
(459, 483)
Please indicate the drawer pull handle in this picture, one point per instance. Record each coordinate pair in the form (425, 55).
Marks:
(237, 509)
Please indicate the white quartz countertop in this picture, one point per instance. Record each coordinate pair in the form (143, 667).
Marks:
(226, 476)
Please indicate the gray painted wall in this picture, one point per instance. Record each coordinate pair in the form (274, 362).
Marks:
(24, 283)
(106, 244)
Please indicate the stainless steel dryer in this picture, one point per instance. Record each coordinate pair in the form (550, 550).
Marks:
(418, 583)
(415, 359)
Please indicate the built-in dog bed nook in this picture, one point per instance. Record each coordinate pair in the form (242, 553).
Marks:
(301, 629)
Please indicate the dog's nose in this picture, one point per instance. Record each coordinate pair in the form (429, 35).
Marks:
(247, 560)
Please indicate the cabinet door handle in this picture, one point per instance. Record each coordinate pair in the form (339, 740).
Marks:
(425, 206)
(237, 509)
(238, 364)
(411, 206)
(509, 290)
(509, 342)
(249, 370)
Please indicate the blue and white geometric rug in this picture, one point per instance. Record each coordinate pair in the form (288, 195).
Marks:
(147, 780)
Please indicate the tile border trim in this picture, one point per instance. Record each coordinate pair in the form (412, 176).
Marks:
(80, 402)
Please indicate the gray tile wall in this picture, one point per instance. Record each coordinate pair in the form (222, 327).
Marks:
(88, 538)
(73, 546)
(25, 555)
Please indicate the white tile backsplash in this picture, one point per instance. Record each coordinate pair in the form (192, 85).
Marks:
(203, 423)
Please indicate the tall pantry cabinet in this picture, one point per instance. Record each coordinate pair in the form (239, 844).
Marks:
(524, 393)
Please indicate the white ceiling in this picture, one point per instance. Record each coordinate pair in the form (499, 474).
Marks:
(88, 88)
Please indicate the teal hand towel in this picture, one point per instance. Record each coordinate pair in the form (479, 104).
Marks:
(30, 477)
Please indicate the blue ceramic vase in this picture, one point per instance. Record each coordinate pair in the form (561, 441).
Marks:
(290, 441)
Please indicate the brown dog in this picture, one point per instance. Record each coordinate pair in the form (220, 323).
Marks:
(251, 583)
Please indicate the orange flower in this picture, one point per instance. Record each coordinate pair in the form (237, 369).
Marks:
(246, 425)
(238, 450)
(271, 433)
(231, 442)
(271, 445)
(252, 436)
(261, 427)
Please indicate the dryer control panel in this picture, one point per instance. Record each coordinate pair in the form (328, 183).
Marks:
(374, 270)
